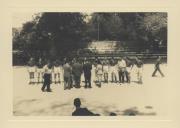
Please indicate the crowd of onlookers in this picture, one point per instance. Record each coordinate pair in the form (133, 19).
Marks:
(70, 71)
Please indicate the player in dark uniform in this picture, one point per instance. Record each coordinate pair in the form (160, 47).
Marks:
(157, 67)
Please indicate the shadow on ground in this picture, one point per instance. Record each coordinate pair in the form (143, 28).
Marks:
(56, 108)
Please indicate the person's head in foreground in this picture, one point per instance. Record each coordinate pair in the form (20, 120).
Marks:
(77, 102)
(81, 111)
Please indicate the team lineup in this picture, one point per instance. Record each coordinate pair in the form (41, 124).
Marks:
(69, 72)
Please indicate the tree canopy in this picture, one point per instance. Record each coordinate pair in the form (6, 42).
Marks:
(55, 34)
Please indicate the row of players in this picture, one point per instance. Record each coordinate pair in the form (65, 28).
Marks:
(71, 70)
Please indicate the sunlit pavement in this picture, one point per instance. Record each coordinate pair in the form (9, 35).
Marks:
(146, 99)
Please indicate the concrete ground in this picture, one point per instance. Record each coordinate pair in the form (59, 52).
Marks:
(146, 99)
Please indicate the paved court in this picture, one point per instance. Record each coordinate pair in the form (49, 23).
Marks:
(146, 99)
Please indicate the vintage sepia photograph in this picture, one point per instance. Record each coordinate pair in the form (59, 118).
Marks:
(90, 63)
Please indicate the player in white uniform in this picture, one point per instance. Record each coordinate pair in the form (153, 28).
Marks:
(99, 73)
(95, 67)
(139, 70)
(106, 71)
(113, 70)
(40, 71)
(31, 70)
(57, 72)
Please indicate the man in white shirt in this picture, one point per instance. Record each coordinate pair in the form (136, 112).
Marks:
(47, 77)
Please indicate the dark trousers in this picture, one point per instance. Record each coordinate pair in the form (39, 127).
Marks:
(67, 82)
(56, 75)
(31, 75)
(113, 77)
(87, 80)
(106, 77)
(127, 75)
(47, 82)
(121, 76)
(159, 70)
(77, 80)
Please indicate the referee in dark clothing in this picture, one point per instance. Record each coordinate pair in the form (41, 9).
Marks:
(87, 67)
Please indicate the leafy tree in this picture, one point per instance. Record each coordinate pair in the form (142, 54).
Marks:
(64, 32)
(155, 26)
(54, 35)
(142, 30)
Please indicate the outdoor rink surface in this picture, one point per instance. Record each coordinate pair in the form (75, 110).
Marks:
(148, 99)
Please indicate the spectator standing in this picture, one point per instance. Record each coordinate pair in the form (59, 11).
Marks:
(77, 71)
(67, 75)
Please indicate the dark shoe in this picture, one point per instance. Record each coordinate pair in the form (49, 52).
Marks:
(49, 90)
(42, 90)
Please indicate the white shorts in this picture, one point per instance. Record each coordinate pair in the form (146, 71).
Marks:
(57, 70)
(32, 69)
(40, 70)
(113, 69)
(139, 70)
(105, 70)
